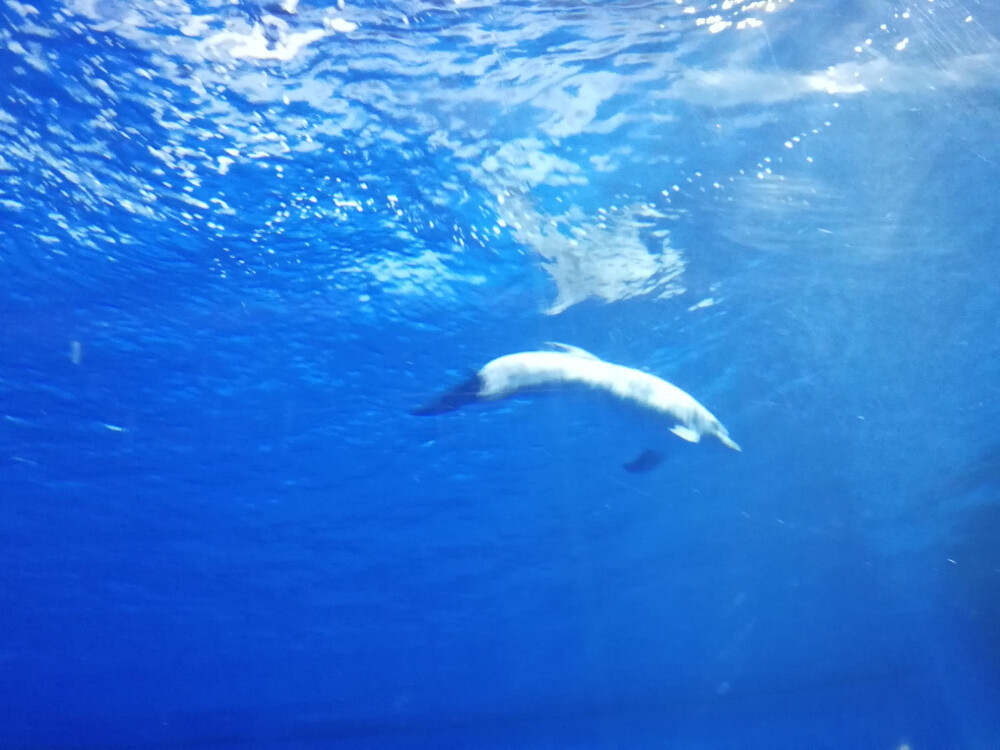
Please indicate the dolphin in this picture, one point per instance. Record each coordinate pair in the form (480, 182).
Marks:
(568, 365)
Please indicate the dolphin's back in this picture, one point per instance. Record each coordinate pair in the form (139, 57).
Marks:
(507, 375)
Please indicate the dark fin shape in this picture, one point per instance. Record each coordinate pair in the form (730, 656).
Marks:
(457, 397)
(279, 9)
(648, 459)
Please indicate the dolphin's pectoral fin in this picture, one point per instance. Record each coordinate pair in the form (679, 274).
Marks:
(573, 350)
(686, 433)
(459, 396)
(648, 459)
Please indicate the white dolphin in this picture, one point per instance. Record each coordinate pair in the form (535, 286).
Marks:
(525, 371)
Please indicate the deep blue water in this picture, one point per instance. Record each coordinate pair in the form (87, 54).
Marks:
(239, 245)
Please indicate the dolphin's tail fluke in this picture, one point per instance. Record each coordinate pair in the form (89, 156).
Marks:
(457, 397)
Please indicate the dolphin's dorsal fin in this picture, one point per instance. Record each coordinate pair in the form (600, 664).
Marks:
(573, 350)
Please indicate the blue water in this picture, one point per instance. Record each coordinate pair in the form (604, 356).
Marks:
(239, 244)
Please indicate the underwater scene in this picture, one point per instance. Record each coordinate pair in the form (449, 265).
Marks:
(563, 374)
